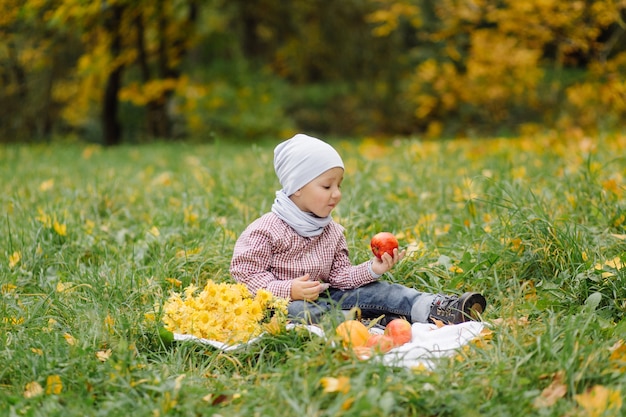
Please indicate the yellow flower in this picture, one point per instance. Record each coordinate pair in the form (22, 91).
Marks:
(263, 296)
(467, 192)
(7, 288)
(54, 385)
(64, 286)
(109, 321)
(190, 290)
(255, 310)
(13, 320)
(201, 317)
(190, 217)
(273, 327)
(50, 327)
(186, 253)
(89, 226)
(44, 218)
(14, 259)
(238, 310)
(59, 228)
(222, 312)
(456, 269)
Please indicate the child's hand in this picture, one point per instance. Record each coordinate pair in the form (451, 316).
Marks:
(302, 288)
(384, 264)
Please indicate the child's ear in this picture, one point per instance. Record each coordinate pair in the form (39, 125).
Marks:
(298, 192)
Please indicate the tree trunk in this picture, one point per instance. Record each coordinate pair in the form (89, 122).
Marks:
(111, 127)
(158, 120)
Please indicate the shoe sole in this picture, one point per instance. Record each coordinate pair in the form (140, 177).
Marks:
(473, 304)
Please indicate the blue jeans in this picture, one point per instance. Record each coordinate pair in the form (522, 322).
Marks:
(375, 299)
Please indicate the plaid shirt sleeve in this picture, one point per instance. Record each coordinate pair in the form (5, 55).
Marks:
(343, 275)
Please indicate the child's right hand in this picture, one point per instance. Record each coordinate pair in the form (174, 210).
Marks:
(380, 266)
(302, 288)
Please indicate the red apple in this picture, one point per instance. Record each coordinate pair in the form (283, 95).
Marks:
(383, 242)
(399, 330)
(380, 343)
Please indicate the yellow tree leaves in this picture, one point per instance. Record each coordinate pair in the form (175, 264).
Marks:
(388, 14)
(117, 37)
(487, 59)
(9, 11)
(432, 65)
(569, 24)
(141, 94)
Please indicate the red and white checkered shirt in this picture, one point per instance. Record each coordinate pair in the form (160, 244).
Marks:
(269, 254)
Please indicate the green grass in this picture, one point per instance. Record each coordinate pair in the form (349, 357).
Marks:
(537, 224)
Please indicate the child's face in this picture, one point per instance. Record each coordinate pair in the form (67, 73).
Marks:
(322, 194)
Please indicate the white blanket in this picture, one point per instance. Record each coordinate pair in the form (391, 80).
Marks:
(226, 347)
(428, 343)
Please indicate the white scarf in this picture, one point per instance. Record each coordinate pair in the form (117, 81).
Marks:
(305, 224)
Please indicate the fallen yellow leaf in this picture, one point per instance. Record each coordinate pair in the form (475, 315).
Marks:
(69, 339)
(615, 263)
(600, 399)
(347, 404)
(486, 333)
(175, 282)
(552, 393)
(32, 389)
(438, 323)
(332, 384)
(103, 355)
(46, 185)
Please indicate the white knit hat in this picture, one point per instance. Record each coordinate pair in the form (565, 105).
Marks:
(299, 160)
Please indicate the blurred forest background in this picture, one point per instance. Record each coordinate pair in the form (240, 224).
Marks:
(127, 71)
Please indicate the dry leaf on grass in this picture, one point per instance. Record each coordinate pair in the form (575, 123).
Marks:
(552, 393)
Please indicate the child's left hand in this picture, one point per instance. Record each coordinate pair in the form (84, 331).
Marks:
(384, 264)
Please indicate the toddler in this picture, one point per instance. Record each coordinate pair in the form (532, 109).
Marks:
(298, 252)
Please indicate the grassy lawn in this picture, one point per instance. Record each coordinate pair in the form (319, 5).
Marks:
(93, 240)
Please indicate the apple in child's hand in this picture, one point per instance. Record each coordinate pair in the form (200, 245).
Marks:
(399, 330)
(383, 242)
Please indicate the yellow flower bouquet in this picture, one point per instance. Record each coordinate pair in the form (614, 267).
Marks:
(221, 312)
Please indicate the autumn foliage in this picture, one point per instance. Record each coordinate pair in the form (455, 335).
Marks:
(182, 68)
